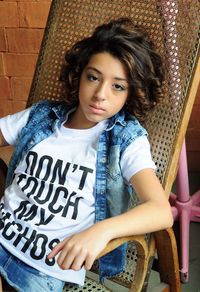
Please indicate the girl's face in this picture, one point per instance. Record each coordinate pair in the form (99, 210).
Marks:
(103, 90)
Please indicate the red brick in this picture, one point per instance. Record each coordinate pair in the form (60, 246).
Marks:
(20, 88)
(27, 0)
(19, 65)
(3, 43)
(5, 108)
(5, 91)
(33, 14)
(18, 106)
(24, 40)
(193, 139)
(8, 107)
(195, 118)
(2, 69)
(193, 159)
(197, 99)
(8, 14)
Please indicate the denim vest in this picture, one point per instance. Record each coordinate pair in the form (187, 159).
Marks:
(113, 196)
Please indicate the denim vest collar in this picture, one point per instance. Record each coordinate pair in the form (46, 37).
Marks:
(118, 118)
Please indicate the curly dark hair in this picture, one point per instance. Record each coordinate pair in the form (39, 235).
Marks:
(131, 45)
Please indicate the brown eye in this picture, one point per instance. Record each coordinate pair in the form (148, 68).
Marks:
(119, 87)
(92, 77)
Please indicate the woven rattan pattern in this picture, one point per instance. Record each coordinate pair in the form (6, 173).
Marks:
(90, 286)
(173, 27)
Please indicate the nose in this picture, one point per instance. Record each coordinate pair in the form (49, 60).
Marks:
(101, 91)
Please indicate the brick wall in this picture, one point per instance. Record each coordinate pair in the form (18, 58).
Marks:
(193, 136)
(21, 29)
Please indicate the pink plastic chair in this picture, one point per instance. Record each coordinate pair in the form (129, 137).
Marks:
(185, 208)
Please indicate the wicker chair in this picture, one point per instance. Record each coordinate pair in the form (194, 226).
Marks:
(173, 26)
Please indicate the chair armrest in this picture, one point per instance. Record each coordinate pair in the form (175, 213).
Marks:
(139, 241)
(168, 265)
(145, 254)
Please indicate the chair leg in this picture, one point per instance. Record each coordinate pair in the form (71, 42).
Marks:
(145, 255)
(185, 208)
(168, 259)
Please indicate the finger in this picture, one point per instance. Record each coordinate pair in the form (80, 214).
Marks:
(57, 249)
(89, 261)
(65, 259)
(79, 261)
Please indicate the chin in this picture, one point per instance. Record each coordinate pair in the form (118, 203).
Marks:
(95, 119)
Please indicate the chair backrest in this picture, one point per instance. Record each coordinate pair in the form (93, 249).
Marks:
(173, 26)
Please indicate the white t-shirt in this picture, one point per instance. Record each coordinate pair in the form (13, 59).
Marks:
(52, 194)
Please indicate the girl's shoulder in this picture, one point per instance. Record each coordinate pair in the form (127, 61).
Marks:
(129, 127)
(46, 104)
(126, 131)
(44, 107)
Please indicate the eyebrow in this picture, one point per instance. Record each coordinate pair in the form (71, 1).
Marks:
(99, 72)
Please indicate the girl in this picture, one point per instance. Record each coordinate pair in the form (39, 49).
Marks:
(71, 178)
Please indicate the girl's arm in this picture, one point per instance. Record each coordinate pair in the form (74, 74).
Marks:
(154, 213)
(1, 287)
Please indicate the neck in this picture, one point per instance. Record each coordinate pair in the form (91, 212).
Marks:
(74, 122)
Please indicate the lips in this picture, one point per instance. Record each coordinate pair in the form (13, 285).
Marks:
(96, 109)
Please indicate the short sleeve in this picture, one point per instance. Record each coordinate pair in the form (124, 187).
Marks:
(136, 157)
(11, 125)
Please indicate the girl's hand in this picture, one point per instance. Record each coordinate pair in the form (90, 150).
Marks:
(81, 249)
